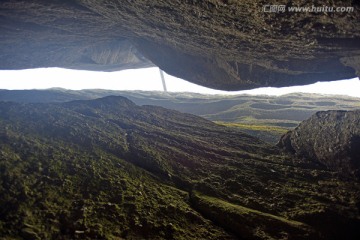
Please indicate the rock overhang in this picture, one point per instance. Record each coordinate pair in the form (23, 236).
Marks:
(229, 45)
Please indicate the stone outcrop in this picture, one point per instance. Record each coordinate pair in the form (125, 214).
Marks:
(222, 44)
(331, 138)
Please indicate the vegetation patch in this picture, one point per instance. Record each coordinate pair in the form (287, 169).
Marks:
(264, 128)
(249, 223)
(268, 133)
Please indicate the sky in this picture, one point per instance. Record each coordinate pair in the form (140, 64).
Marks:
(147, 79)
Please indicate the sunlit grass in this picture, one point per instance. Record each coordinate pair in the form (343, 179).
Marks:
(255, 127)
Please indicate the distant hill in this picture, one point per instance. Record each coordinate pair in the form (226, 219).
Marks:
(266, 117)
(110, 169)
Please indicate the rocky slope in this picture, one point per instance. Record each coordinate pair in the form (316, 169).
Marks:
(107, 168)
(222, 44)
(331, 138)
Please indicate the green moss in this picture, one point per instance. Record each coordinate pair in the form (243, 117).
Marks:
(249, 223)
(124, 172)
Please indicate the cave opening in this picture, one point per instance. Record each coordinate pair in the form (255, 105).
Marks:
(149, 79)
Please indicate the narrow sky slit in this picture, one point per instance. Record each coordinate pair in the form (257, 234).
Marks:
(163, 80)
(147, 79)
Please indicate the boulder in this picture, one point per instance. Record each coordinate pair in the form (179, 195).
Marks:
(331, 138)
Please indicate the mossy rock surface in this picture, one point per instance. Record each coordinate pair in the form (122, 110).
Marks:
(107, 169)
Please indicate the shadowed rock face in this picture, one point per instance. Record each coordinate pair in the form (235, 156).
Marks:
(222, 44)
(331, 138)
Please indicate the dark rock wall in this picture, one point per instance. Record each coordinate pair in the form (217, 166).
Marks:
(331, 138)
(221, 44)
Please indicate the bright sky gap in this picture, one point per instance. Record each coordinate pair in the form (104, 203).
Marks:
(148, 79)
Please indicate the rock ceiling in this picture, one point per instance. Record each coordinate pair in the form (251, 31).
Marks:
(222, 44)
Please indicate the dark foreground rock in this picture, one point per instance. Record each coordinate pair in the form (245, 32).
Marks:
(331, 138)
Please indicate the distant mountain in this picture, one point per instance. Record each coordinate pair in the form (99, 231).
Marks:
(109, 169)
(266, 117)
